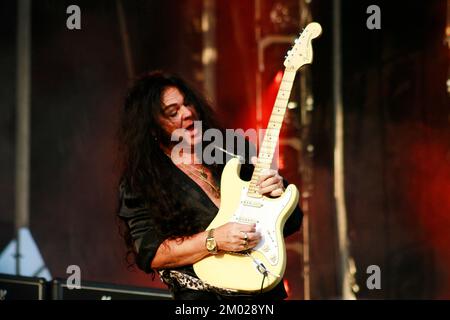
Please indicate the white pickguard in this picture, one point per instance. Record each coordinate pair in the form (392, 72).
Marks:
(265, 214)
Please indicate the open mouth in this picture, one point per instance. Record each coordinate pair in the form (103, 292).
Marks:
(190, 127)
(191, 130)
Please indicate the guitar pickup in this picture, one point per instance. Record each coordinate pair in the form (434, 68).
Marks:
(254, 204)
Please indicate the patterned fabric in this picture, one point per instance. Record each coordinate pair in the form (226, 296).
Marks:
(174, 278)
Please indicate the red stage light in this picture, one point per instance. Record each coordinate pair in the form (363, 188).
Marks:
(286, 287)
(279, 76)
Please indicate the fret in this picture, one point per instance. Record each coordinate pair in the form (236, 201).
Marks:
(268, 144)
(272, 132)
(270, 140)
(277, 118)
(289, 75)
(287, 84)
(269, 148)
(265, 161)
(278, 122)
(283, 94)
(264, 156)
(280, 108)
(258, 174)
(274, 125)
(279, 105)
(259, 168)
(266, 150)
(279, 111)
(263, 166)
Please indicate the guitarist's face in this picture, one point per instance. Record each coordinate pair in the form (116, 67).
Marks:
(177, 115)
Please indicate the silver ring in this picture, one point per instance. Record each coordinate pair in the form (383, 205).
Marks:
(245, 236)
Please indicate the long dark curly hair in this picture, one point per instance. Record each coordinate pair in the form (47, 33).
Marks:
(145, 168)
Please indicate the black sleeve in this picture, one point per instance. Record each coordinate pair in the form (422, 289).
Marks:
(137, 214)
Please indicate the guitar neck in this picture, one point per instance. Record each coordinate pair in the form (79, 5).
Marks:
(272, 134)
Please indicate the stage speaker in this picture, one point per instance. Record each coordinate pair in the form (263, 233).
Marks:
(22, 288)
(103, 291)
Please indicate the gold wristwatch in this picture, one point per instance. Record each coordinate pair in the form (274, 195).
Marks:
(211, 244)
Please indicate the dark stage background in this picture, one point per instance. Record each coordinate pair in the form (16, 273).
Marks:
(397, 151)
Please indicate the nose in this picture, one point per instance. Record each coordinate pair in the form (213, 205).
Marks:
(185, 111)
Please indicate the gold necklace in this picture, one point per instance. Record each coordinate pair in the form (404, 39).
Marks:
(202, 175)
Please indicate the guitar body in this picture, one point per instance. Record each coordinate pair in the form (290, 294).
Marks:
(239, 271)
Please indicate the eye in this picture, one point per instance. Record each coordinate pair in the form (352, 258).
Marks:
(172, 111)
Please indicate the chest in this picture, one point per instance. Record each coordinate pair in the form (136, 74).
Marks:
(203, 180)
(195, 197)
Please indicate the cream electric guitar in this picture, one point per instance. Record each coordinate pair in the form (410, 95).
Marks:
(262, 267)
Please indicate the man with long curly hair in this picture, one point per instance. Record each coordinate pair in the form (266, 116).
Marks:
(167, 205)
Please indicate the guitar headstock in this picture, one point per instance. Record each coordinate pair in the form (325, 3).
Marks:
(301, 53)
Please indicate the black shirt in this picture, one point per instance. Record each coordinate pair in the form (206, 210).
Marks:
(138, 215)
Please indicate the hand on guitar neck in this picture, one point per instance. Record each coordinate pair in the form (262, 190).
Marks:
(270, 183)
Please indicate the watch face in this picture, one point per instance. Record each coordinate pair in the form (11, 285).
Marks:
(210, 244)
